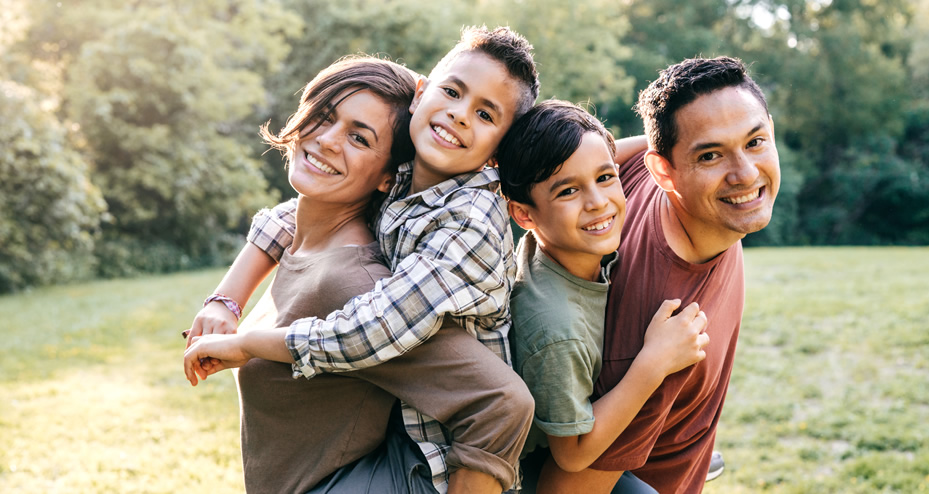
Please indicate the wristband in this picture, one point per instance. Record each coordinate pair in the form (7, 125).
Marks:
(230, 304)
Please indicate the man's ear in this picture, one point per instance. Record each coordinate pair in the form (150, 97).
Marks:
(660, 169)
(520, 214)
(421, 84)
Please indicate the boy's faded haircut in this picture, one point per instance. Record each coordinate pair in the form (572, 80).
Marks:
(540, 142)
(682, 83)
(507, 47)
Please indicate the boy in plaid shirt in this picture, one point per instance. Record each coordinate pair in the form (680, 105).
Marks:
(445, 234)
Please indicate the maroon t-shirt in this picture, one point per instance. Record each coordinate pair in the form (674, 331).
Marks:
(670, 441)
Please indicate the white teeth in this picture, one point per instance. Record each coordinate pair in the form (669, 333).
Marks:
(741, 199)
(445, 135)
(322, 166)
(598, 226)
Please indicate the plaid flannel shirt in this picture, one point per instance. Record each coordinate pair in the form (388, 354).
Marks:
(451, 251)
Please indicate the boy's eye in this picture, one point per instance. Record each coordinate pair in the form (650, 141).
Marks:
(485, 116)
(710, 156)
(755, 142)
(605, 177)
(566, 192)
(451, 92)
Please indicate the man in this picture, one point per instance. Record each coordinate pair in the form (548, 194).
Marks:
(709, 177)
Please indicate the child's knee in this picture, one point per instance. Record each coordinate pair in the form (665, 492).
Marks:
(516, 404)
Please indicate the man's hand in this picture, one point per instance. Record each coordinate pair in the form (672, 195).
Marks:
(212, 353)
(213, 318)
(674, 343)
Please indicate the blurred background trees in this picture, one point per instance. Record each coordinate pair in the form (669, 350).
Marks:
(129, 129)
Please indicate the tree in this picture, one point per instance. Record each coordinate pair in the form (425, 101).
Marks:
(839, 87)
(49, 210)
(160, 92)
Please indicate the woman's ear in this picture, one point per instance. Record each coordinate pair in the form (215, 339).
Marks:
(660, 169)
(421, 83)
(521, 214)
(387, 183)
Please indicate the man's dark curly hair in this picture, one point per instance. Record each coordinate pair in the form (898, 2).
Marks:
(681, 84)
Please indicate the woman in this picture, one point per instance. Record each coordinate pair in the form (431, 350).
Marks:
(343, 145)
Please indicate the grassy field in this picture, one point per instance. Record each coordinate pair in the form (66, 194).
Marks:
(830, 391)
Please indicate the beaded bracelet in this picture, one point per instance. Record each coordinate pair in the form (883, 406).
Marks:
(230, 304)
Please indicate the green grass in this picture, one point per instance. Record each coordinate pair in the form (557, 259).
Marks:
(94, 398)
(830, 391)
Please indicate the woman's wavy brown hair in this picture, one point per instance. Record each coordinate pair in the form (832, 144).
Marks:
(394, 84)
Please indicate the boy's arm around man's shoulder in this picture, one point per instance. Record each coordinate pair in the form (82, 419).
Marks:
(628, 147)
(458, 268)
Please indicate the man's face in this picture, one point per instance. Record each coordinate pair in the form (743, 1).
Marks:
(726, 172)
(460, 116)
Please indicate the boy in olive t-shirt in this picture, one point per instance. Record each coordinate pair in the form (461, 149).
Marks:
(558, 173)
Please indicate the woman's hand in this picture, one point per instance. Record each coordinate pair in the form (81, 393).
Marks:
(213, 318)
(212, 353)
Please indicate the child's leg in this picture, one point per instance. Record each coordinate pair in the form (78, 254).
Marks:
(483, 403)
(397, 466)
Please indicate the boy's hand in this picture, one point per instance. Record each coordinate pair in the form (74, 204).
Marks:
(213, 318)
(210, 354)
(674, 343)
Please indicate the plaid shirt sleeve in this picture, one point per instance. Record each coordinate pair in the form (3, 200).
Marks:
(272, 230)
(457, 269)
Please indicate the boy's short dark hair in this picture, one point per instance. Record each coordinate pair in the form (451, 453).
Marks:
(507, 47)
(681, 84)
(540, 142)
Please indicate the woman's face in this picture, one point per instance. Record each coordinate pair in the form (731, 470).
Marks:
(344, 159)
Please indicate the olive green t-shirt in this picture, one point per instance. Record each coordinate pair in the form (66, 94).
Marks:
(557, 340)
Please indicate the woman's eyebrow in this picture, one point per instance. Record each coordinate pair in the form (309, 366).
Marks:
(362, 125)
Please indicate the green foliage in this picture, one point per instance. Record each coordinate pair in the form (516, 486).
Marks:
(158, 95)
(161, 101)
(129, 256)
(839, 85)
(575, 63)
(49, 210)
